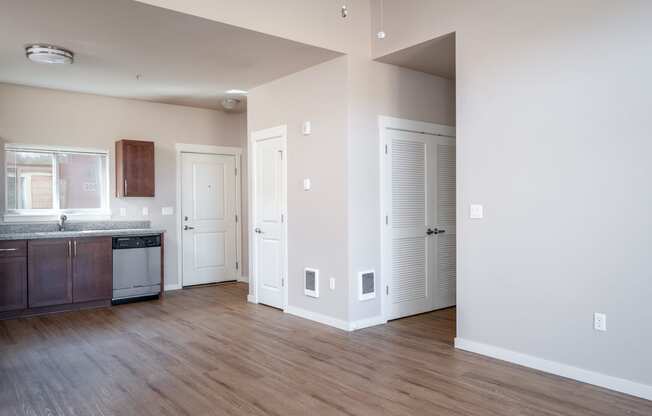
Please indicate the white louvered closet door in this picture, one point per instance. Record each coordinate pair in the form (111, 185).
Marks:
(422, 197)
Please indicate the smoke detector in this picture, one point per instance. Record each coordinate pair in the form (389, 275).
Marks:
(48, 54)
(230, 103)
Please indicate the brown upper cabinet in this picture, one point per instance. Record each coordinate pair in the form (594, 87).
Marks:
(134, 168)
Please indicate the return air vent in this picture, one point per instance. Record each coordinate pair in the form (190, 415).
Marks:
(367, 283)
(311, 282)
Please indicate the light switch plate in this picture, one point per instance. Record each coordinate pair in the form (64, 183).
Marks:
(123, 212)
(476, 211)
(167, 211)
(599, 321)
(145, 211)
(306, 184)
(331, 283)
(306, 128)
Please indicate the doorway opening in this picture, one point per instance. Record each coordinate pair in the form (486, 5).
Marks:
(268, 196)
(419, 199)
(209, 214)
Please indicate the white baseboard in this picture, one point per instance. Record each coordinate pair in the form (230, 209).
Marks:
(175, 286)
(602, 380)
(317, 317)
(244, 279)
(251, 299)
(366, 323)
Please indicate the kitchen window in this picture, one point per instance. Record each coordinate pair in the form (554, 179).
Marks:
(43, 182)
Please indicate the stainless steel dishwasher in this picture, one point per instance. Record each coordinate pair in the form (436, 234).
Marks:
(136, 268)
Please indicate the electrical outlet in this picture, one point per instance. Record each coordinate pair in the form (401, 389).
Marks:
(123, 212)
(599, 321)
(145, 211)
(331, 283)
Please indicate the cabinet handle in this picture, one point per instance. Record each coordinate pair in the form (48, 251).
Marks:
(69, 249)
(75, 251)
(126, 188)
(8, 249)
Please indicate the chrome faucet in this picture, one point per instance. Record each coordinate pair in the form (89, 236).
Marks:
(62, 222)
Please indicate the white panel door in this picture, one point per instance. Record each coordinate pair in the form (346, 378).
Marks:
(421, 187)
(269, 211)
(208, 210)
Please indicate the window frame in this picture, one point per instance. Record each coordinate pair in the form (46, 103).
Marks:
(35, 215)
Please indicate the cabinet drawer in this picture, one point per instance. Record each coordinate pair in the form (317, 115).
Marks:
(13, 248)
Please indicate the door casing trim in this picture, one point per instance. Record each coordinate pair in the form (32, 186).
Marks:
(181, 148)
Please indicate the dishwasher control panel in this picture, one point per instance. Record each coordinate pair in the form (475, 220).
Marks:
(136, 242)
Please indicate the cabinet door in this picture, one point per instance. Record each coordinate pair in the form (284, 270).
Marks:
(135, 168)
(49, 275)
(13, 283)
(92, 269)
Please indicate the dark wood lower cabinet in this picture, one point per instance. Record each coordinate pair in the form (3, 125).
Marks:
(13, 283)
(92, 275)
(49, 263)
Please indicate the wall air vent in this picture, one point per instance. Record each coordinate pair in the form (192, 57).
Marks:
(311, 282)
(367, 284)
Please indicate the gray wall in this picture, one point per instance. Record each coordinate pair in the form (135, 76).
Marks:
(317, 219)
(553, 131)
(84, 120)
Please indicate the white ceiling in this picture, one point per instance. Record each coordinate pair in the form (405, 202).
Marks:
(436, 57)
(183, 59)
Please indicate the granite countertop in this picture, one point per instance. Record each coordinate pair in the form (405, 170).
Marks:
(17, 231)
(84, 233)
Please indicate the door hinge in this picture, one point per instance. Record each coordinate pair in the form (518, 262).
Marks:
(237, 265)
(236, 171)
(282, 282)
(282, 218)
(386, 219)
(236, 218)
(386, 149)
(387, 289)
(281, 152)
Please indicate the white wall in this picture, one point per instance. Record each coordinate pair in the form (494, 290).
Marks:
(317, 220)
(41, 116)
(553, 131)
(380, 89)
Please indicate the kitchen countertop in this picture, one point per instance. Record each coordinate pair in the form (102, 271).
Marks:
(85, 233)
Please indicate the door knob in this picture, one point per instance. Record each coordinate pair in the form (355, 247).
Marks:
(258, 230)
(186, 227)
(435, 231)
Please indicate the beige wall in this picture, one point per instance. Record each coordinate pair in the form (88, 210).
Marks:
(317, 219)
(380, 89)
(553, 132)
(315, 22)
(41, 116)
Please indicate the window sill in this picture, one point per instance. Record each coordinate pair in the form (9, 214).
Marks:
(53, 216)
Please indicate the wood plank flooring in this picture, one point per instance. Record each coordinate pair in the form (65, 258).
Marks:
(206, 351)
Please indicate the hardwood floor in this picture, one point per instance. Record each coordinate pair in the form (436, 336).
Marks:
(206, 351)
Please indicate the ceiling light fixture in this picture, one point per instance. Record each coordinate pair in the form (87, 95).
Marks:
(230, 103)
(48, 54)
(236, 91)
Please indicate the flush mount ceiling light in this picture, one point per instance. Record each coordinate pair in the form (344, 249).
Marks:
(230, 103)
(236, 91)
(48, 54)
